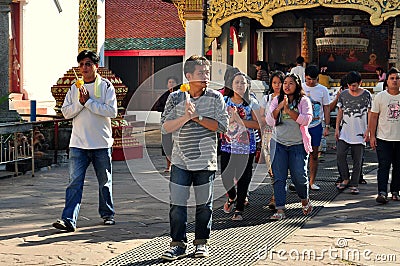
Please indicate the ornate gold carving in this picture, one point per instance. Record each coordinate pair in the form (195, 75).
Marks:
(180, 5)
(222, 11)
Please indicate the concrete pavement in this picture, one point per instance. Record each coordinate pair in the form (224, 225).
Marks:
(349, 224)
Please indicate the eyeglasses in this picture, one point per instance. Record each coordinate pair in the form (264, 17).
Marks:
(88, 64)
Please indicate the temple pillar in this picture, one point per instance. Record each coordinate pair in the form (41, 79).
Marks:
(6, 115)
(397, 37)
(220, 55)
(194, 36)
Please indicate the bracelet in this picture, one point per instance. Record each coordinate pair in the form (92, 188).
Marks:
(327, 126)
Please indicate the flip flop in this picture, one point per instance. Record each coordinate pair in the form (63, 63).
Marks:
(342, 186)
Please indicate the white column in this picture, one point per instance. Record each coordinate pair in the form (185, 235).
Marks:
(260, 46)
(241, 59)
(220, 55)
(194, 42)
(101, 29)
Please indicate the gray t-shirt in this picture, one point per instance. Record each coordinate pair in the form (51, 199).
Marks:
(288, 132)
(194, 146)
(355, 116)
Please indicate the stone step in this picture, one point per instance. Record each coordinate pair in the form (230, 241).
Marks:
(16, 96)
(39, 111)
(19, 104)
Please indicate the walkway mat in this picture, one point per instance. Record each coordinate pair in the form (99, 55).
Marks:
(248, 241)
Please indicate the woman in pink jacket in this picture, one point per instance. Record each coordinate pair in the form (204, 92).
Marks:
(290, 113)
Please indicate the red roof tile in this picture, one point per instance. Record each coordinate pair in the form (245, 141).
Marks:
(142, 19)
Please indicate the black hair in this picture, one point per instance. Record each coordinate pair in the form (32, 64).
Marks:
(229, 90)
(278, 74)
(172, 77)
(300, 60)
(343, 83)
(312, 71)
(353, 77)
(381, 71)
(229, 74)
(193, 61)
(88, 54)
(298, 93)
(262, 64)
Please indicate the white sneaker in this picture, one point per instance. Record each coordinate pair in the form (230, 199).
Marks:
(314, 187)
(201, 251)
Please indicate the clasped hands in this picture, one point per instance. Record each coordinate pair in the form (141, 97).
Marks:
(284, 104)
(83, 95)
(190, 110)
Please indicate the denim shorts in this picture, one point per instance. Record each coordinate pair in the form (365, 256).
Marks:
(316, 135)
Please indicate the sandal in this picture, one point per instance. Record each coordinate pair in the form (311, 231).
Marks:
(307, 209)
(363, 181)
(338, 181)
(237, 216)
(228, 206)
(354, 191)
(342, 186)
(278, 216)
(271, 203)
(395, 196)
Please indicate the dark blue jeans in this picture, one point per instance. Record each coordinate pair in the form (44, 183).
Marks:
(181, 181)
(293, 158)
(79, 160)
(388, 153)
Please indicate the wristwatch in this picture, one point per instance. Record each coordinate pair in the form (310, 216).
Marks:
(200, 118)
(328, 126)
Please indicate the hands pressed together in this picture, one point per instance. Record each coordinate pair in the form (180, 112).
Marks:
(83, 95)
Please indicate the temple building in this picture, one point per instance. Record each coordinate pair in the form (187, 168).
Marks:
(144, 37)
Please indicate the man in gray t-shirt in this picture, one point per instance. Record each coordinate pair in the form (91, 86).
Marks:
(352, 130)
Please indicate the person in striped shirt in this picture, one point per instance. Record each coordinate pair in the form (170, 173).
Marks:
(193, 117)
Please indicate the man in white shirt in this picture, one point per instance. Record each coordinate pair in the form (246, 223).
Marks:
(319, 97)
(299, 68)
(91, 104)
(384, 127)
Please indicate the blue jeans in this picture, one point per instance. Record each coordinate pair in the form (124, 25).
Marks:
(79, 160)
(293, 158)
(203, 182)
(388, 153)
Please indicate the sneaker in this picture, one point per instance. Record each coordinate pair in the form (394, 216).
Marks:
(63, 225)
(201, 251)
(292, 187)
(278, 216)
(382, 198)
(109, 220)
(175, 252)
(229, 205)
(237, 216)
(314, 187)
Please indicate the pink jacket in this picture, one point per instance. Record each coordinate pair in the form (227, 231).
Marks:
(304, 119)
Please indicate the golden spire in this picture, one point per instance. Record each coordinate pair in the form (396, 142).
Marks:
(304, 48)
(87, 25)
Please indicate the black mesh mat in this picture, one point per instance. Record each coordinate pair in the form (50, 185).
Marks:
(242, 243)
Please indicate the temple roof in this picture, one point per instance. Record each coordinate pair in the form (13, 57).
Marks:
(138, 24)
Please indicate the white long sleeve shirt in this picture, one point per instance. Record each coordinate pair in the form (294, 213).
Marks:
(91, 123)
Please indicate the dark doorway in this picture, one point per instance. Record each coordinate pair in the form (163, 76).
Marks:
(281, 47)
